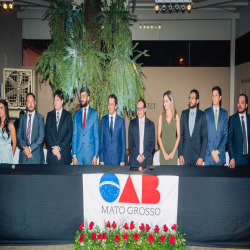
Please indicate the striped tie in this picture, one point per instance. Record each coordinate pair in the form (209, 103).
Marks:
(28, 131)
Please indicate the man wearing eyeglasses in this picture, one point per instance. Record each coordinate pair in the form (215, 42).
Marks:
(112, 149)
(141, 136)
(193, 143)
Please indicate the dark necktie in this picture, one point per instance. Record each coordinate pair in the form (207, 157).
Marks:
(244, 136)
(84, 119)
(57, 119)
(111, 126)
(28, 131)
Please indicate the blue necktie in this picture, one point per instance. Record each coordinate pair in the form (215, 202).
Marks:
(191, 123)
(111, 126)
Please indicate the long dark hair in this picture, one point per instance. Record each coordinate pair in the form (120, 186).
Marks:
(7, 118)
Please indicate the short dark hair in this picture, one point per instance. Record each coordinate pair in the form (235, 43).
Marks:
(59, 93)
(144, 103)
(217, 88)
(31, 95)
(21, 112)
(196, 92)
(114, 97)
(85, 89)
(246, 98)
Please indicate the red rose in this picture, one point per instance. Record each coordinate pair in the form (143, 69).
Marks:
(81, 239)
(132, 226)
(117, 238)
(147, 227)
(81, 226)
(165, 228)
(114, 225)
(99, 236)
(91, 225)
(104, 236)
(136, 236)
(93, 236)
(142, 227)
(162, 238)
(157, 229)
(174, 227)
(108, 224)
(172, 239)
(151, 238)
(126, 226)
(125, 236)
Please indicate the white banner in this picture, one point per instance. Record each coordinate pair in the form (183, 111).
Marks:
(122, 198)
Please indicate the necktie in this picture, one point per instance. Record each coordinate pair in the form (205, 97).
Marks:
(244, 136)
(57, 119)
(141, 137)
(28, 131)
(111, 126)
(84, 119)
(191, 123)
(216, 119)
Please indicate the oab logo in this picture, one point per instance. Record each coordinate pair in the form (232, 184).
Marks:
(110, 190)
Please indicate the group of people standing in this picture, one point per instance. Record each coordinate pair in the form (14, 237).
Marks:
(200, 137)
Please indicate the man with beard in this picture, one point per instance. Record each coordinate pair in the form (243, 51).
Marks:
(30, 134)
(58, 132)
(112, 136)
(85, 140)
(193, 142)
(238, 134)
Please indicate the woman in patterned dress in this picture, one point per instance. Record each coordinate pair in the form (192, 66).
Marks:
(7, 133)
(169, 131)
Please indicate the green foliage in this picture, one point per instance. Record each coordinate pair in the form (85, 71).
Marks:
(71, 62)
(114, 238)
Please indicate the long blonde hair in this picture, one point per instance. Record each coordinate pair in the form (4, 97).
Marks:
(170, 96)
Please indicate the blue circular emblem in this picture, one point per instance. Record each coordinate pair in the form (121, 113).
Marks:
(109, 187)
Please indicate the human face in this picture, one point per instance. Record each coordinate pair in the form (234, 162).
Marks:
(166, 102)
(30, 103)
(241, 105)
(141, 110)
(2, 110)
(193, 102)
(216, 98)
(84, 99)
(58, 103)
(111, 106)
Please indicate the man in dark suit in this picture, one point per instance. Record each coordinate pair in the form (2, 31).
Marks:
(141, 137)
(217, 128)
(193, 142)
(58, 132)
(113, 136)
(85, 140)
(239, 134)
(30, 134)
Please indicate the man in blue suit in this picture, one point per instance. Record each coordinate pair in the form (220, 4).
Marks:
(113, 136)
(217, 128)
(30, 134)
(85, 140)
(239, 134)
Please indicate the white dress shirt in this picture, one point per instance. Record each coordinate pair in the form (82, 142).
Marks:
(114, 116)
(60, 114)
(31, 124)
(141, 135)
(218, 110)
(245, 120)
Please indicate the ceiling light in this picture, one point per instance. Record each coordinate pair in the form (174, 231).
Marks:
(144, 26)
(182, 7)
(164, 7)
(170, 7)
(159, 26)
(5, 6)
(189, 7)
(152, 26)
(156, 8)
(177, 7)
(140, 26)
(11, 6)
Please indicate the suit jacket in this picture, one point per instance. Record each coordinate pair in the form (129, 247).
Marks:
(134, 142)
(36, 142)
(113, 149)
(85, 143)
(61, 137)
(217, 139)
(193, 147)
(235, 139)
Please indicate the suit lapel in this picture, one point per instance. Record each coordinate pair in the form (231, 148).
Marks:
(213, 119)
(35, 122)
(145, 133)
(197, 117)
(25, 125)
(60, 121)
(248, 126)
(87, 123)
